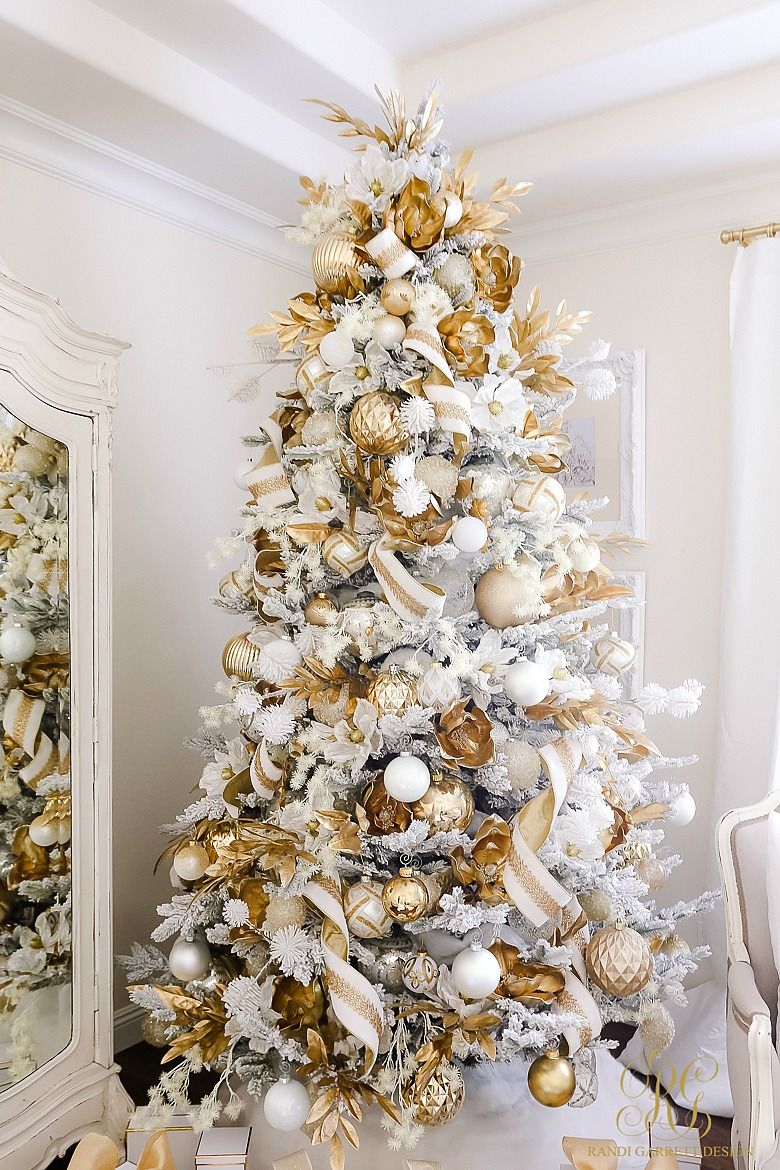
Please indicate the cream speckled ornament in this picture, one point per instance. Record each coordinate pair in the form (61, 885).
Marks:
(455, 275)
(523, 764)
(498, 595)
(619, 960)
(365, 911)
(596, 904)
(439, 475)
(656, 1027)
(613, 655)
(320, 427)
(281, 912)
(191, 861)
(397, 297)
(543, 495)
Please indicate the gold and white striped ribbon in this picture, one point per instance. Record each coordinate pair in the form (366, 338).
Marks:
(263, 772)
(423, 337)
(355, 1003)
(576, 998)
(22, 717)
(411, 599)
(452, 408)
(267, 481)
(560, 760)
(530, 885)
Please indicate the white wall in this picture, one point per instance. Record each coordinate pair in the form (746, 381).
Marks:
(184, 302)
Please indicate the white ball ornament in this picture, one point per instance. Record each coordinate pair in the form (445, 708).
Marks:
(286, 1105)
(469, 534)
(242, 469)
(454, 212)
(527, 683)
(336, 350)
(406, 778)
(683, 810)
(584, 554)
(389, 331)
(189, 959)
(476, 972)
(43, 833)
(17, 643)
(191, 862)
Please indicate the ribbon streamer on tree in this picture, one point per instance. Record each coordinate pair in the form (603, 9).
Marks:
(411, 599)
(22, 718)
(354, 1001)
(267, 481)
(452, 408)
(263, 772)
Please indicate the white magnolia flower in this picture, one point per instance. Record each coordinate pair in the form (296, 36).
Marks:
(318, 488)
(487, 665)
(418, 416)
(226, 764)
(353, 741)
(503, 358)
(411, 497)
(375, 177)
(498, 405)
(438, 687)
(577, 832)
(424, 166)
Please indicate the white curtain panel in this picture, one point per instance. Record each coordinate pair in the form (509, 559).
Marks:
(749, 678)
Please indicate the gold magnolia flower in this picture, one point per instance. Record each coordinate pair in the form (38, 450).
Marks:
(301, 1005)
(485, 867)
(465, 337)
(529, 982)
(463, 733)
(498, 272)
(417, 217)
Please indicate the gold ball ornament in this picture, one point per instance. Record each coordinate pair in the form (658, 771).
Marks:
(551, 1079)
(334, 264)
(392, 691)
(375, 424)
(312, 375)
(397, 297)
(364, 910)
(239, 656)
(191, 861)
(448, 804)
(405, 896)
(498, 594)
(319, 609)
(619, 961)
(439, 1100)
(327, 709)
(421, 973)
(674, 944)
(154, 1031)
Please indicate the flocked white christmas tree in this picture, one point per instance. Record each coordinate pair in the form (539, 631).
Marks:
(430, 830)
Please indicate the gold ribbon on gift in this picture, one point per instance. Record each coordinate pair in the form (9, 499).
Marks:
(411, 599)
(22, 718)
(602, 1154)
(267, 481)
(355, 1003)
(96, 1152)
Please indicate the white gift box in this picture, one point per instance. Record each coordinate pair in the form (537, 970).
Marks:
(226, 1147)
(182, 1138)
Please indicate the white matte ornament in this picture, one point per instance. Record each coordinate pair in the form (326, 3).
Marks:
(189, 959)
(683, 810)
(454, 212)
(43, 833)
(286, 1105)
(17, 644)
(584, 554)
(476, 972)
(406, 778)
(389, 331)
(527, 683)
(242, 469)
(336, 350)
(191, 862)
(469, 534)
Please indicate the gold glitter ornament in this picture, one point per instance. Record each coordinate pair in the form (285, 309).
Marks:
(439, 1099)
(365, 911)
(448, 804)
(656, 1027)
(618, 959)
(332, 711)
(239, 656)
(319, 608)
(334, 264)
(674, 944)
(405, 896)
(551, 1079)
(397, 297)
(320, 427)
(392, 691)
(375, 424)
(281, 912)
(153, 1031)
(596, 905)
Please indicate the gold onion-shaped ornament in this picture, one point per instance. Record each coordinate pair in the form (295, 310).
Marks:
(439, 1099)
(392, 691)
(334, 264)
(551, 1079)
(619, 961)
(239, 656)
(405, 897)
(375, 424)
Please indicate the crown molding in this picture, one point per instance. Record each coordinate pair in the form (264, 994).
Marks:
(49, 146)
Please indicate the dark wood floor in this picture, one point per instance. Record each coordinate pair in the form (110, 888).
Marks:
(141, 1068)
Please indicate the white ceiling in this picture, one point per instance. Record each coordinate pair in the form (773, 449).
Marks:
(597, 101)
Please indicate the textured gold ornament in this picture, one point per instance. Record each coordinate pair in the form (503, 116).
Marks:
(375, 424)
(448, 804)
(239, 656)
(319, 609)
(392, 691)
(551, 1079)
(365, 910)
(334, 264)
(383, 813)
(498, 594)
(405, 896)
(618, 960)
(439, 1100)
(397, 297)
(343, 552)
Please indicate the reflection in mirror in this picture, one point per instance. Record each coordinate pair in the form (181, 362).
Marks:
(35, 805)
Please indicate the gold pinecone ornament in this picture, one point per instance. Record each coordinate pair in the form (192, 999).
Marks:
(439, 1100)
(375, 424)
(618, 959)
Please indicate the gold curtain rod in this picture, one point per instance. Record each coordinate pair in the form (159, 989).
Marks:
(745, 236)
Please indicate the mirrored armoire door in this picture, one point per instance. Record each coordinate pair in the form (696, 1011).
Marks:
(57, 389)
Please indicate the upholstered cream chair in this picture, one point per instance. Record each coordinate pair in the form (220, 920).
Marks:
(754, 1068)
